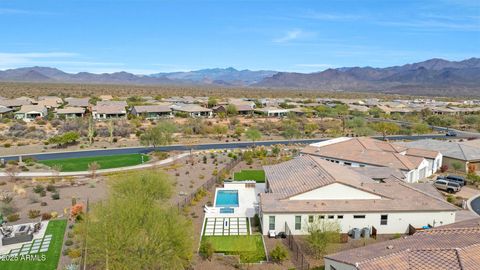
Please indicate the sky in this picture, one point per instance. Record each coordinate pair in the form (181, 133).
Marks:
(145, 37)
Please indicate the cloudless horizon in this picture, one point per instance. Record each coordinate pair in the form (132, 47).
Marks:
(145, 37)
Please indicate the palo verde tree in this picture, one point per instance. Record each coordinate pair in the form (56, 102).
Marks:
(321, 234)
(253, 134)
(160, 134)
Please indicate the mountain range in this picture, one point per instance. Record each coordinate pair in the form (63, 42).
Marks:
(431, 77)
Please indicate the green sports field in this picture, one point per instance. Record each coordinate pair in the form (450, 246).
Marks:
(105, 162)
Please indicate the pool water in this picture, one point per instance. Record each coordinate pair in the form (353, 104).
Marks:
(227, 198)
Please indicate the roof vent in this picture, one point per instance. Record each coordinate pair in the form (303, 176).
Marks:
(390, 247)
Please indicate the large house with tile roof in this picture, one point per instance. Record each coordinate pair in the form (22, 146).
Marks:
(452, 247)
(463, 153)
(416, 164)
(309, 189)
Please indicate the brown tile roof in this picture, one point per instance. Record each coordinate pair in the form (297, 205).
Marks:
(455, 246)
(366, 151)
(122, 103)
(68, 110)
(152, 109)
(306, 173)
(32, 108)
(78, 102)
(417, 152)
(110, 109)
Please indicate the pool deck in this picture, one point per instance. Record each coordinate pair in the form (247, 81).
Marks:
(247, 203)
(247, 200)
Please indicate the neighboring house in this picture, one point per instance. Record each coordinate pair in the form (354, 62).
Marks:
(416, 164)
(70, 112)
(109, 112)
(14, 104)
(309, 189)
(4, 110)
(192, 110)
(50, 103)
(31, 112)
(462, 153)
(219, 109)
(272, 111)
(78, 102)
(450, 247)
(119, 103)
(245, 109)
(152, 111)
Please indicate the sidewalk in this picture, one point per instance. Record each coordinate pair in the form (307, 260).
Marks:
(79, 173)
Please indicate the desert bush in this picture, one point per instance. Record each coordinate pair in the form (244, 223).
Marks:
(33, 213)
(46, 216)
(279, 253)
(13, 217)
(68, 242)
(51, 188)
(38, 188)
(56, 196)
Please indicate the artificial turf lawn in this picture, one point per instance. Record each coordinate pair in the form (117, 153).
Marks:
(57, 229)
(257, 175)
(239, 245)
(105, 162)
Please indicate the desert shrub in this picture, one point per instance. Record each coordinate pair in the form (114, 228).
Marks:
(33, 198)
(38, 188)
(51, 188)
(68, 242)
(13, 217)
(43, 193)
(46, 216)
(443, 168)
(279, 253)
(56, 196)
(43, 204)
(206, 250)
(7, 145)
(33, 213)
(74, 253)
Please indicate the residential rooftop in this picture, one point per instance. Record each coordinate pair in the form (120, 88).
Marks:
(450, 247)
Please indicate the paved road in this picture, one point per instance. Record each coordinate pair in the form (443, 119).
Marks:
(460, 133)
(137, 150)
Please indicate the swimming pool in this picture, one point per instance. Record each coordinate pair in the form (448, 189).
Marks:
(227, 198)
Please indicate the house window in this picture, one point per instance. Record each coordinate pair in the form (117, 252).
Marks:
(340, 216)
(310, 219)
(298, 223)
(362, 165)
(321, 217)
(383, 219)
(331, 217)
(347, 163)
(271, 222)
(358, 216)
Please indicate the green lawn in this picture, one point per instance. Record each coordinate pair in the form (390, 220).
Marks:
(249, 247)
(57, 229)
(257, 175)
(105, 162)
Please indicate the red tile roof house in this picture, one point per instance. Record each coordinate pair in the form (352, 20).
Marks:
(310, 189)
(452, 247)
(416, 164)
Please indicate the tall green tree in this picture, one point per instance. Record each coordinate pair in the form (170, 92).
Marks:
(386, 128)
(160, 134)
(132, 229)
(321, 235)
(253, 134)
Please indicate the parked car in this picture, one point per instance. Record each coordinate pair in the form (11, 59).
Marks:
(454, 178)
(445, 185)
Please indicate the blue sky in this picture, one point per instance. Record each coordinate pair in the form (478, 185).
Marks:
(158, 36)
